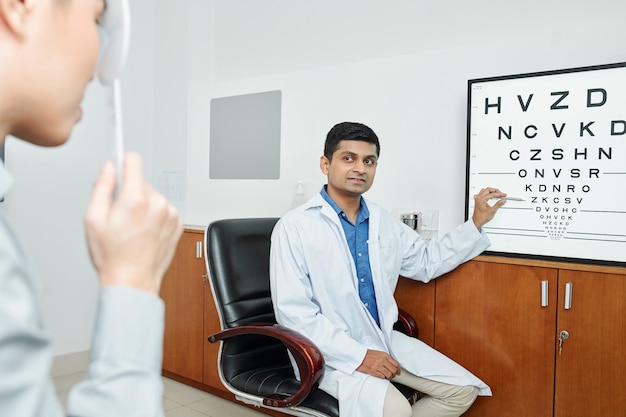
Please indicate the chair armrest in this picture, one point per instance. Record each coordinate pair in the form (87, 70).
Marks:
(308, 358)
(406, 324)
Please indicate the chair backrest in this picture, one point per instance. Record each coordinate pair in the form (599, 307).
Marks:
(238, 265)
(238, 256)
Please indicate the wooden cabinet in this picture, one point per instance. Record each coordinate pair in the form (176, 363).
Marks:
(488, 316)
(190, 317)
(183, 292)
(418, 299)
(591, 369)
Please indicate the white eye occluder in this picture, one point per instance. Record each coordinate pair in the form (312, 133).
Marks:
(114, 40)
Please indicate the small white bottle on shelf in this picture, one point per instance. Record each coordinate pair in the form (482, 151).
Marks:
(299, 197)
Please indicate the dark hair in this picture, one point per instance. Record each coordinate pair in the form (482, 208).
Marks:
(349, 131)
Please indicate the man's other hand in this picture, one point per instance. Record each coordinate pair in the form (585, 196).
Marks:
(380, 365)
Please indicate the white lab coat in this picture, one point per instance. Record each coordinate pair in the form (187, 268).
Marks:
(315, 292)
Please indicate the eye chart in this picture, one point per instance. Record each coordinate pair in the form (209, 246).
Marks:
(556, 142)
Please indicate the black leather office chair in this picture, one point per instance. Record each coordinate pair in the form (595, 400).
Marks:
(253, 360)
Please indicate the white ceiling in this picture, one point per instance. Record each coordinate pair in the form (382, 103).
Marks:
(259, 37)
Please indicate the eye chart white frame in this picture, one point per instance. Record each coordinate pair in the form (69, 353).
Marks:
(557, 141)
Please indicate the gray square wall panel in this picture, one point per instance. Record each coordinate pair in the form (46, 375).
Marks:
(245, 137)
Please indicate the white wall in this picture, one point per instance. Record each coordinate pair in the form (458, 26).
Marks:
(399, 66)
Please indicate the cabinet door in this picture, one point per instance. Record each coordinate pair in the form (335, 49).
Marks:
(489, 318)
(183, 292)
(591, 367)
(418, 299)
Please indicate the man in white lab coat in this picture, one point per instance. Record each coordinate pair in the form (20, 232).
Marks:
(335, 262)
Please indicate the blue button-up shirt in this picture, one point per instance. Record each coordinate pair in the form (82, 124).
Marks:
(357, 236)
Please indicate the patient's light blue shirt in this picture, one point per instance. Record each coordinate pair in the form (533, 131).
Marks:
(356, 237)
(124, 375)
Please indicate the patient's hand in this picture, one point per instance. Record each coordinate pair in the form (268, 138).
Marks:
(380, 365)
(131, 239)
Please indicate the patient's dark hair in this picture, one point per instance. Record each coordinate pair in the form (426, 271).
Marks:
(349, 131)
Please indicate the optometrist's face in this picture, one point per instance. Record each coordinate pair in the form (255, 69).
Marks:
(352, 168)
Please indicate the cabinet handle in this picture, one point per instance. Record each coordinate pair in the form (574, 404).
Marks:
(199, 249)
(568, 296)
(544, 293)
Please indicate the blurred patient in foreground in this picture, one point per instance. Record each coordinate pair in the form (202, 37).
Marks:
(48, 54)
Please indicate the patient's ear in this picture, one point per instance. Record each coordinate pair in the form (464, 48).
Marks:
(14, 15)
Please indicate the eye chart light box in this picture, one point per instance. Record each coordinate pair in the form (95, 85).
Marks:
(555, 140)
